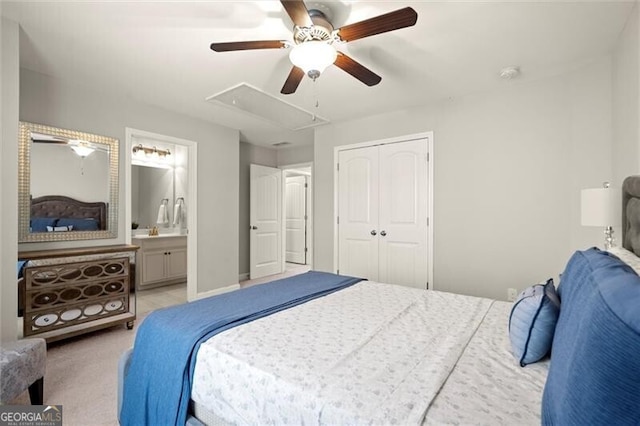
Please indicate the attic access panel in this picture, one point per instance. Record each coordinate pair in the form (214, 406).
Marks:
(253, 101)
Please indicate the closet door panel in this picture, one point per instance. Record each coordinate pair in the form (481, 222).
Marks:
(403, 213)
(358, 183)
(398, 262)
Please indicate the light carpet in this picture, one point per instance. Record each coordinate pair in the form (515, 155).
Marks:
(82, 372)
(82, 376)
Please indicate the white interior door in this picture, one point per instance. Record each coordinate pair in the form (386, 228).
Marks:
(296, 219)
(265, 221)
(358, 213)
(403, 214)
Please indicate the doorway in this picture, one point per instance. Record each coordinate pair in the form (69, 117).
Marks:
(281, 219)
(297, 215)
(170, 208)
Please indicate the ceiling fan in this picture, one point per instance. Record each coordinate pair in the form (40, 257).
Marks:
(315, 38)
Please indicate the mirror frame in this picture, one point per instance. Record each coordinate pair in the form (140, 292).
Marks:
(24, 185)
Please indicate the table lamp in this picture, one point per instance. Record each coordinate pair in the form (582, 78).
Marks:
(602, 207)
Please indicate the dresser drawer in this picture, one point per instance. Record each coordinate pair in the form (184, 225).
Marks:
(66, 274)
(65, 315)
(46, 297)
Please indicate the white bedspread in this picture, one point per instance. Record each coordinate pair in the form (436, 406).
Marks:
(488, 386)
(372, 353)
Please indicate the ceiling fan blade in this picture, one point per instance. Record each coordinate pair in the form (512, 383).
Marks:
(400, 18)
(248, 45)
(293, 81)
(357, 70)
(298, 12)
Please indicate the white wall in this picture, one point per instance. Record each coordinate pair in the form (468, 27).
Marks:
(249, 154)
(181, 183)
(508, 169)
(9, 96)
(626, 88)
(49, 101)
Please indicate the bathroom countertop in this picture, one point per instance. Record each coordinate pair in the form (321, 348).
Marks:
(143, 237)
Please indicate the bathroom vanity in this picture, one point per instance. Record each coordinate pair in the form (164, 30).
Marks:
(162, 259)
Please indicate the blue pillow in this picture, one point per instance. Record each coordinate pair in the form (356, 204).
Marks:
(594, 375)
(533, 321)
(79, 224)
(39, 224)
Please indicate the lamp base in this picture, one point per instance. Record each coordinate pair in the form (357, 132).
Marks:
(609, 241)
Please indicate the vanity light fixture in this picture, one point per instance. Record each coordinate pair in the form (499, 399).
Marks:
(153, 151)
(82, 148)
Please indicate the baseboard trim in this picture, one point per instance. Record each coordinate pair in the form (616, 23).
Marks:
(243, 277)
(217, 291)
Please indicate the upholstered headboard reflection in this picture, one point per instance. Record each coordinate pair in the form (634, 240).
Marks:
(631, 214)
(59, 206)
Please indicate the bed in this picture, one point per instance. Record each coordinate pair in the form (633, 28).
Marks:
(56, 213)
(361, 352)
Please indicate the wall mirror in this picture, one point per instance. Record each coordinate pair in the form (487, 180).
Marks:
(68, 185)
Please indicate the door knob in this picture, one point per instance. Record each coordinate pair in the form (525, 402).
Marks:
(383, 233)
(253, 227)
(373, 232)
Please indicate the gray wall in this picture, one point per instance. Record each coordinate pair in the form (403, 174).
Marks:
(509, 166)
(57, 170)
(49, 101)
(626, 89)
(249, 154)
(295, 155)
(9, 96)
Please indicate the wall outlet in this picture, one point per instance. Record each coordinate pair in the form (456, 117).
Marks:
(512, 293)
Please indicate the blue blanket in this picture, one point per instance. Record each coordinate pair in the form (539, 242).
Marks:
(157, 386)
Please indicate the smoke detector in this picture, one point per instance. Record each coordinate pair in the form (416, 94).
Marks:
(509, 73)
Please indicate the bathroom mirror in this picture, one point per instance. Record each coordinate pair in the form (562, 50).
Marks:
(149, 187)
(68, 185)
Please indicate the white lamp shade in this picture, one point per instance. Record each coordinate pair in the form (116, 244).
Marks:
(601, 207)
(313, 56)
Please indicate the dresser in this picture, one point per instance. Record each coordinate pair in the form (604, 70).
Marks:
(67, 292)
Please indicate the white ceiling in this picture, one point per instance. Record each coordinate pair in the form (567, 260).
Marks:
(158, 52)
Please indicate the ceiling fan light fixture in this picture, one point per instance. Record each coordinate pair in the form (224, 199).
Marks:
(82, 148)
(313, 57)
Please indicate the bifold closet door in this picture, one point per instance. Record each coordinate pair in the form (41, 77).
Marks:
(382, 213)
(403, 214)
(358, 212)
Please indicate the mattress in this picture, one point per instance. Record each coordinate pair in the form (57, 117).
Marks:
(372, 353)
